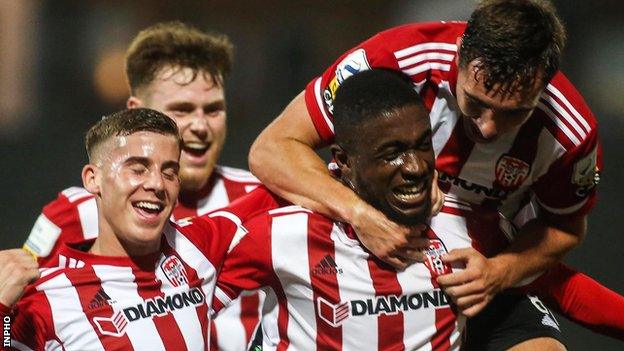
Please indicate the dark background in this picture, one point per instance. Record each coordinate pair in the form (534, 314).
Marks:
(61, 68)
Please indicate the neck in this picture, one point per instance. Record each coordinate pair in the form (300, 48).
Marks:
(109, 244)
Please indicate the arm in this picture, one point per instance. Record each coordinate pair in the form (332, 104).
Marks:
(539, 245)
(283, 158)
(18, 270)
(247, 267)
(582, 300)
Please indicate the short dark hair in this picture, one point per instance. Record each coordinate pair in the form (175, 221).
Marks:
(367, 95)
(177, 45)
(127, 122)
(513, 40)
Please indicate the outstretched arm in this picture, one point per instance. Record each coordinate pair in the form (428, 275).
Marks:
(582, 300)
(283, 158)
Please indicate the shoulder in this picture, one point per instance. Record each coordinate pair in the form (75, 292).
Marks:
(67, 200)
(236, 175)
(566, 114)
(440, 31)
(72, 215)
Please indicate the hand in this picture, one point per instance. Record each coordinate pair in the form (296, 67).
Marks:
(394, 244)
(474, 287)
(19, 268)
(437, 196)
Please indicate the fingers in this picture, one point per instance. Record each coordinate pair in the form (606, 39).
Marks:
(474, 309)
(460, 255)
(18, 270)
(458, 291)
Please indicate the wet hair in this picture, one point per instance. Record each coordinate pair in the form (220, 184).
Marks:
(513, 40)
(367, 95)
(177, 45)
(127, 122)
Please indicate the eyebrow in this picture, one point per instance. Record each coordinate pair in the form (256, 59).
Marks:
(485, 104)
(184, 105)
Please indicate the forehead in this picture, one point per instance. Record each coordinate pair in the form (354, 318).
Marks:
(406, 123)
(474, 85)
(144, 144)
(180, 83)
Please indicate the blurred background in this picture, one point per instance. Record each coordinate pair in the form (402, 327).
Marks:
(61, 69)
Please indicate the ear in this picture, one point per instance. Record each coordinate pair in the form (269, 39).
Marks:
(134, 102)
(341, 157)
(91, 178)
(458, 42)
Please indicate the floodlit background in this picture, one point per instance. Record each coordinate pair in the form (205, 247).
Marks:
(61, 69)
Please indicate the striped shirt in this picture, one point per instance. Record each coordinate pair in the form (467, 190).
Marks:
(555, 155)
(326, 292)
(73, 217)
(156, 302)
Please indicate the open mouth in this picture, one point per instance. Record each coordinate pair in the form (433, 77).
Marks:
(196, 148)
(410, 194)
(148, 209)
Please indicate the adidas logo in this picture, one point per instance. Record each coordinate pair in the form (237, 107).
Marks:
(549, 321)
(326, 266)
(100, 299)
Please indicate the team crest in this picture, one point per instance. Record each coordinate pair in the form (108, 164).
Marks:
(432, 258)
(511, 172)
(174, 271)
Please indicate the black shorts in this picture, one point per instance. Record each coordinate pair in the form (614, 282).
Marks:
(509, 320)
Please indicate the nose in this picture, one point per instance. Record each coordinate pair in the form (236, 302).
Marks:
(199, 125)
(155, 183)
(487, 125)
(413, 166)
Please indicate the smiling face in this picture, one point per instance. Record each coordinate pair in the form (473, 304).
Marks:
(391, 163)
(135, 180)
(198, 107)
(488, 114)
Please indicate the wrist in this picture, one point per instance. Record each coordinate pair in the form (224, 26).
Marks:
(504, 267)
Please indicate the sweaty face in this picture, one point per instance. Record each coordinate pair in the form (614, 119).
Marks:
(138, 186)
(198, 107)
(392, 164)
(488, 114)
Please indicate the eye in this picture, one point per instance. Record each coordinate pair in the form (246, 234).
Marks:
(214, 111)
(390, 154)
(138, 169)
(170, 174)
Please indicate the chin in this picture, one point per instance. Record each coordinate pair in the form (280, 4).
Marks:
(410, 217)
(192, 179)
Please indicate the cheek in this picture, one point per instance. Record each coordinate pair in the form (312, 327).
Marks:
(218, 126)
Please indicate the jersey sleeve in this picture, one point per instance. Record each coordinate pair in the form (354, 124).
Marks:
(214, 235)
(582, 300)
(258, 201)
(248, 266)
(321, 91)
(63, 220)
(414, 49)
(568, 188)
(27, 329)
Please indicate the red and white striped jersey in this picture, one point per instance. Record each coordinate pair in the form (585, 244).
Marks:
(73, 217)
(555, 155)
(326, 292)
(155, 302)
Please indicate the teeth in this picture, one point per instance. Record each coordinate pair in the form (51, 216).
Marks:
(195, 146)
(410, 190)
(148, 206)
